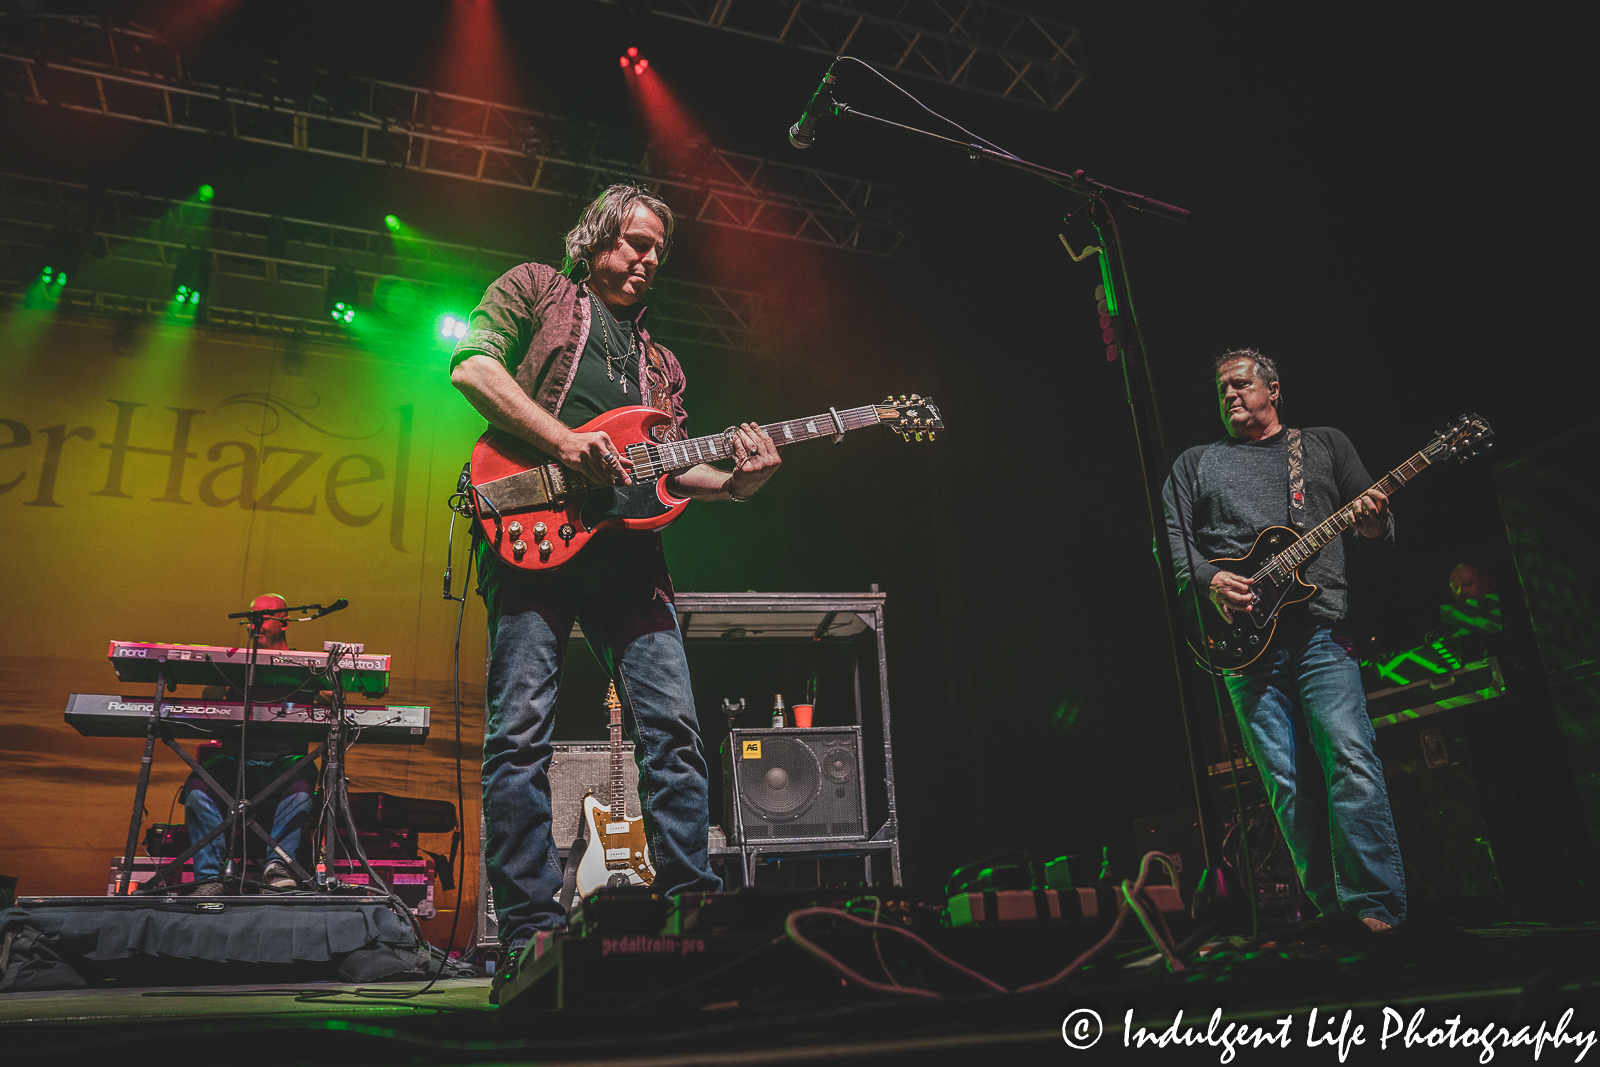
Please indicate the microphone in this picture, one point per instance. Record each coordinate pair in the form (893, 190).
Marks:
(337, 605)
(802, 133)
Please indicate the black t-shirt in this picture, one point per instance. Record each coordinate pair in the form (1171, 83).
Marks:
(593, 391)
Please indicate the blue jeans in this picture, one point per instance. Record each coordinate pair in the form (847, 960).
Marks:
(1303, 714)
(617, 589)
(202, 811)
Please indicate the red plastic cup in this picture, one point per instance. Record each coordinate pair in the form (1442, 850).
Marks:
(802, 715)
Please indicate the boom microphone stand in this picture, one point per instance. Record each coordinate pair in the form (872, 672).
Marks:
(1125, 342)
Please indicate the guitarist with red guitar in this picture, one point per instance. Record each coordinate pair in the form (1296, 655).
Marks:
(1273, 595)
(548, 354)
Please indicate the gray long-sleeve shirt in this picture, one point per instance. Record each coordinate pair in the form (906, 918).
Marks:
(1223, 494)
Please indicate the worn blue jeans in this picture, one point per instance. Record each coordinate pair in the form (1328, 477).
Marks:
(202, 811)
(1304, 717)
(617, 589)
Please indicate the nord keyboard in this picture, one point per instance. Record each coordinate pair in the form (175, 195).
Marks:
(137, 661)
(98, 715)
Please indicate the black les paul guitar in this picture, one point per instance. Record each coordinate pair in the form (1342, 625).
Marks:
(1276, 558)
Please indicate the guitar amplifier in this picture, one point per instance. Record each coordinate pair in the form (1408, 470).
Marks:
(794, 785)
(577, 769)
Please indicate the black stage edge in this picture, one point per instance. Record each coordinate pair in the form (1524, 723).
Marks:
(187, 940)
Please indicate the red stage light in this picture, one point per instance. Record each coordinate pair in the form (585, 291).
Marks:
(624, 61)
(633, 53)
(641, 66)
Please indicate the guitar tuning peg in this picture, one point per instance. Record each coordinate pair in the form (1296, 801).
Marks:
(930, 435)
(902, 398)
(889, 398)
(915, 399)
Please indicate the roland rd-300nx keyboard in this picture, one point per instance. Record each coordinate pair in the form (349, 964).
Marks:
(98, 715)
(137, 661)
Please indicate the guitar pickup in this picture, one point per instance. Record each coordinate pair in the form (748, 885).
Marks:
(616, 854)
(616, 828)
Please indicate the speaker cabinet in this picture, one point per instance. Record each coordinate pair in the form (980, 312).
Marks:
(794, 785)
(578, 768)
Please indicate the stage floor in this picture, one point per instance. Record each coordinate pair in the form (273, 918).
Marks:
(203, 1003)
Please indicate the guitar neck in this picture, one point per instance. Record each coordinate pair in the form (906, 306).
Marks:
(681, 455)
(619, 780)
(1317, 538)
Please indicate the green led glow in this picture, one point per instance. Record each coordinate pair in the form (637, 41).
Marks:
(392, 223)
(205, 193)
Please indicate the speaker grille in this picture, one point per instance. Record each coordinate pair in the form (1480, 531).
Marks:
(579, 767)
(787, 780)
(805, 784)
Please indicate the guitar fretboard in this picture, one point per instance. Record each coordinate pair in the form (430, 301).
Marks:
(1318, 537)
(679, 455)
(619, 796)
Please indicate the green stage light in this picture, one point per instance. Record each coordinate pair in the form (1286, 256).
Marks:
(452, 327)
(190, 278)
(343, 297)
(62, 250)
(392, 223)
(205, 193)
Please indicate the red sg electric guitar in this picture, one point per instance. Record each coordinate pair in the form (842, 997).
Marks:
(538, 514)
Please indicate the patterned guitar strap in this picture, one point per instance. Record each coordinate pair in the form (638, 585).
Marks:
(652, 385)
(1295, 451)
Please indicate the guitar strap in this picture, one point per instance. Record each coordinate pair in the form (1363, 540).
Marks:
(1294, 449)
(653, 383)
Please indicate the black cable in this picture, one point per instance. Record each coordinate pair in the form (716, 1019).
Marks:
(444, 957)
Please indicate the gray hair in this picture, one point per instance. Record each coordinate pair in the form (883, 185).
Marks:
(602, 221)
(1264, 366)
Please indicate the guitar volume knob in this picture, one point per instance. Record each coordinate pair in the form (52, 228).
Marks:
(515, 529)
(539, 530)
(519, 547)
(545, 548)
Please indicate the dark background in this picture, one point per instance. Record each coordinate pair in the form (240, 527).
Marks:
(1388, 203)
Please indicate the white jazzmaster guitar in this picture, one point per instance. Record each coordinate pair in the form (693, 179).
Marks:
(617, 854)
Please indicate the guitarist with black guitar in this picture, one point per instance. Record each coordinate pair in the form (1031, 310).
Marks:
(547, 352)
(1274, 603)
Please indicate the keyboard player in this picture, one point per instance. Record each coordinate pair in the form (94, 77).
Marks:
(263, 763)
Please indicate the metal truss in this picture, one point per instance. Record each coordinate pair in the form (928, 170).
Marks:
(969, 44)
(140, 235)
(129, 74)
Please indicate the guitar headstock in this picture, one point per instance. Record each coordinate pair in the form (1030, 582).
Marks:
(910, 416)
(1462, 439)
(613, 702)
